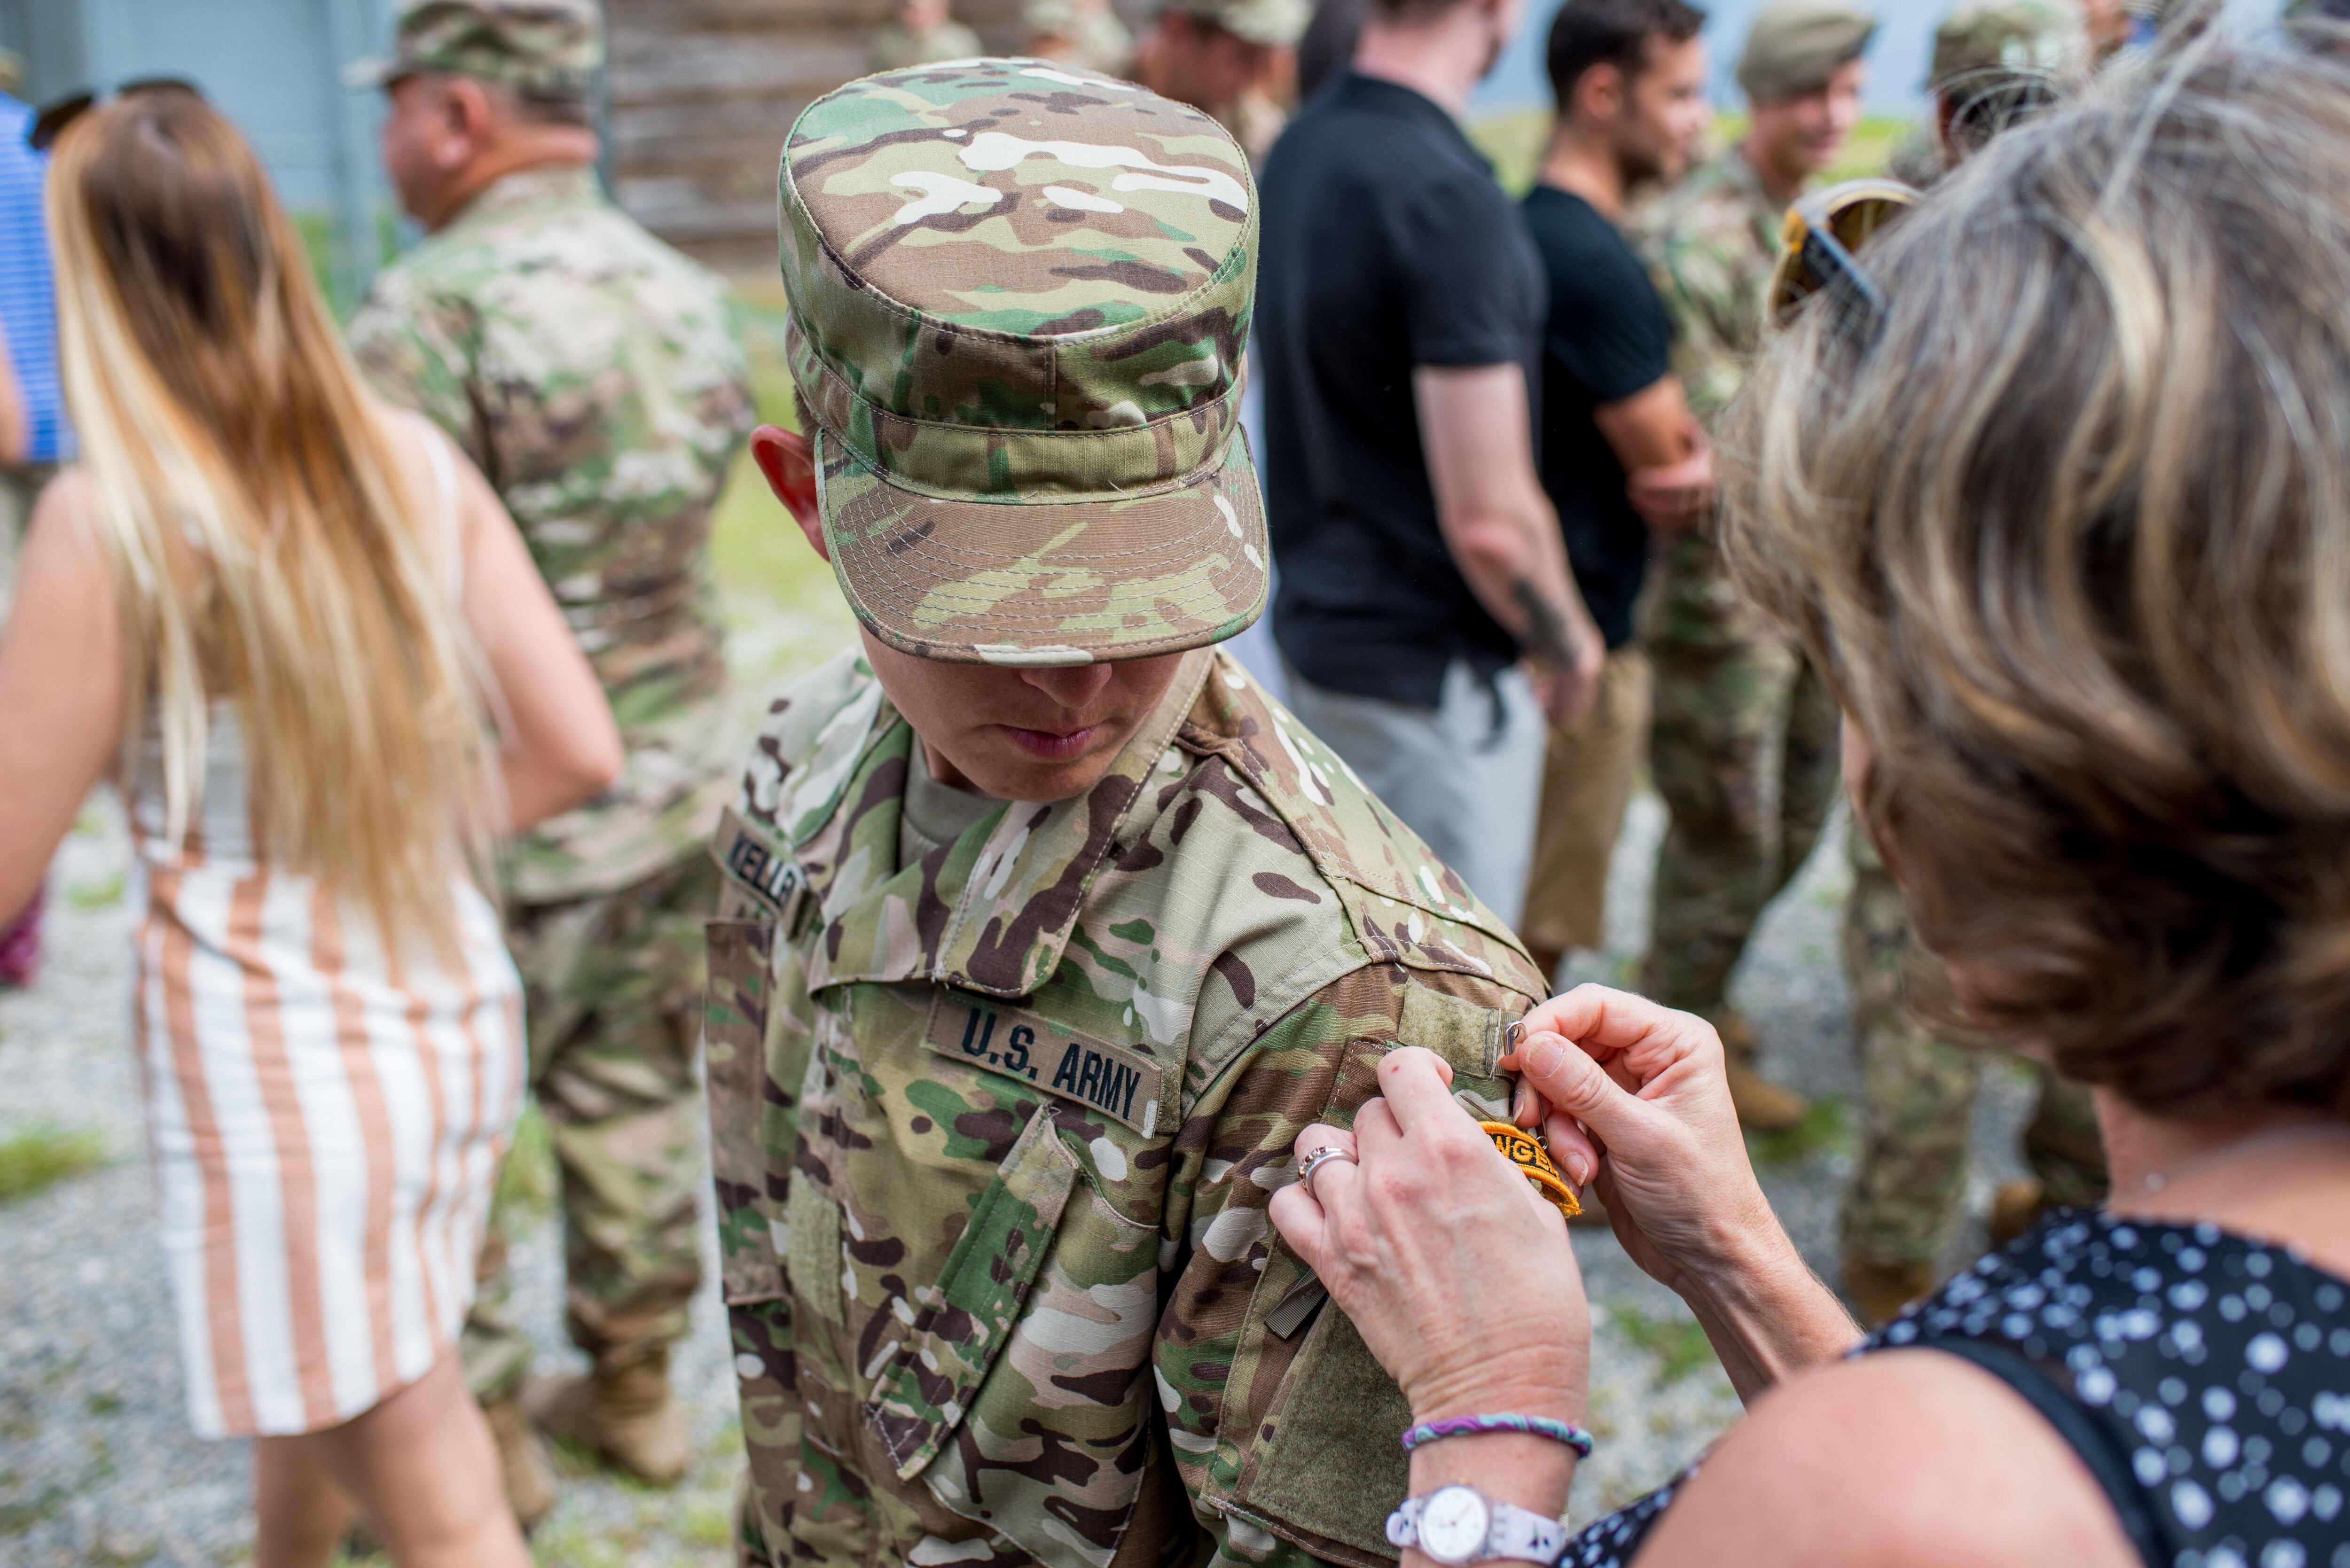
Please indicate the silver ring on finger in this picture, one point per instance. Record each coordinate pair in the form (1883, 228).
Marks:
(1316, 1158)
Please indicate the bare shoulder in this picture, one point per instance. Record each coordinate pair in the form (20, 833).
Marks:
(63, 500)
(63, 545)
(1891, 1457)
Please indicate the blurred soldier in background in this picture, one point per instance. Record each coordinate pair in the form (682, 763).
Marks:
(924, 34)
(1744, 746)
(2108, 24)
(1235, 59)
(1085, 33)
(1995, 62)
(593, 375)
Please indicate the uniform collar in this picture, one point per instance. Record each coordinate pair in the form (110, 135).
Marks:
(1768, 215)
(549, 185)
(994, 911)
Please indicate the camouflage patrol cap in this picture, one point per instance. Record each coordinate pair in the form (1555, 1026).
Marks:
(533, 46)
(1988, 43)
(1019, 295)
(1795, 46)
(1274, 23)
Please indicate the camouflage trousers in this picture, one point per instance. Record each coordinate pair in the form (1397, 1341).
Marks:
(613, 989)
(1744, 751)
(1919, 1092)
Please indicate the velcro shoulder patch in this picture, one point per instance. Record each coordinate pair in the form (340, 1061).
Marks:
(1115, 1081)
(757, 864)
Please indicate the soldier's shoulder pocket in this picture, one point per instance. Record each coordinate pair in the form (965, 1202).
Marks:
(1325, 1464)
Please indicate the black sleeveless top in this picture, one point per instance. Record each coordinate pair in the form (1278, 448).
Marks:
(2203, 1378)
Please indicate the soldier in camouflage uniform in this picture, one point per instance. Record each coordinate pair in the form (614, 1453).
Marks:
(1745, 744)
(924, 32)
(1000, 1091)
(1233, 59)
(594, 376)
(1995, 61)
(1084, 33)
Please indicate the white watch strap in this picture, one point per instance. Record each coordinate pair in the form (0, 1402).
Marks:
(1515, 1534)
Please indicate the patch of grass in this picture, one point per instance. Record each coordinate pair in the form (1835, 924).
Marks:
(102, 894)
(105, 1402)
(1679, 1343)
(1512, 143)
(17, 1518)
(527, 1182)
(784, 613)
(1827, 1128)
(42, 1155)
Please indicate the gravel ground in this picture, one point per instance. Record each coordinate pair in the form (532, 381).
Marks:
(96, 1464)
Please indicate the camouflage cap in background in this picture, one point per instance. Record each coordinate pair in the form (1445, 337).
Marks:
(1795, 46)
(1989, 44)
(532, 46)
(1019, 297)
(1274, 23)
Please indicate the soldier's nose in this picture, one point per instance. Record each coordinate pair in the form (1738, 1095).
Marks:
(1073, 685)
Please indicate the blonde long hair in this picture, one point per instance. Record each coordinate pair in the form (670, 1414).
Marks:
(266, 544)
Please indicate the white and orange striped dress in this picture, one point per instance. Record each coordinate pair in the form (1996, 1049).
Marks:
(325, 1118)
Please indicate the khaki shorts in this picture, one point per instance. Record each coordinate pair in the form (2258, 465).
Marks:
(1587, 780)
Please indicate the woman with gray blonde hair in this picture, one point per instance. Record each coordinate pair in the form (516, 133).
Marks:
(2056, 487)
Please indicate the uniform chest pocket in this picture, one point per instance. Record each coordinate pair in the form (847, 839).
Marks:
(961, 1323)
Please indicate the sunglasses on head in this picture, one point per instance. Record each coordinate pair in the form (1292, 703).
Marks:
(51, 122)
(1819, 246)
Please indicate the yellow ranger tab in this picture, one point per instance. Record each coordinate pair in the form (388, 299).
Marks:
(757, 866)
(1115, 1081)
(1526, 1151)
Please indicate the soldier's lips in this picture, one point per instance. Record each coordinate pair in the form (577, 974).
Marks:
(1047, 746)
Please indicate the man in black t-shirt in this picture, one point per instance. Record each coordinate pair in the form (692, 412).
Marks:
(1400, 309)
(1620, 453)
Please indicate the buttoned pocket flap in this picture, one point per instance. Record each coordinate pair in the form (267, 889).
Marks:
(961, 1323)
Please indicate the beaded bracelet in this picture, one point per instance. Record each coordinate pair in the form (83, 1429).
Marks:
(1575, 1438)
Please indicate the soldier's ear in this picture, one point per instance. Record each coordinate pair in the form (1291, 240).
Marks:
(789, 464)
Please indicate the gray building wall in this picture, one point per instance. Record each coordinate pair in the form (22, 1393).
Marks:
(274, 67)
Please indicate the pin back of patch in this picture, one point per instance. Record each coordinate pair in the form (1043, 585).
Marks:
(1525, 1150)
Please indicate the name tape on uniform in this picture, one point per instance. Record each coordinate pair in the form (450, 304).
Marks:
(1115, 1081)
(757, 864)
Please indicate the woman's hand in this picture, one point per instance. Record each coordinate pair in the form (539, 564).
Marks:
(1639, 1101)
(1635, 1093)
(1457, 1274)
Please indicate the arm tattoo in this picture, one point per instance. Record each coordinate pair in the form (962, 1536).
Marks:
(1545, 633)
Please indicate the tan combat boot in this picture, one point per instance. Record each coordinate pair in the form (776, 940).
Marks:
(521, 1458)
(2016, 1208)
(1762, 1106)
(626, 1416)
(1881, 1290)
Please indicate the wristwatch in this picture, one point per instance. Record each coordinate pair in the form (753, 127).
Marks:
(1458, 1524)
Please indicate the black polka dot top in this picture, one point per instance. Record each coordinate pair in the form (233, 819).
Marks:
(2203, 1378)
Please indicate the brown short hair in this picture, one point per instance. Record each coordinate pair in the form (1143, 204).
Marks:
(2068, 526)
(1619, 33)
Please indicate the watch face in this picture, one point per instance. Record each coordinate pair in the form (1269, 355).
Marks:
(1453, 1526)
